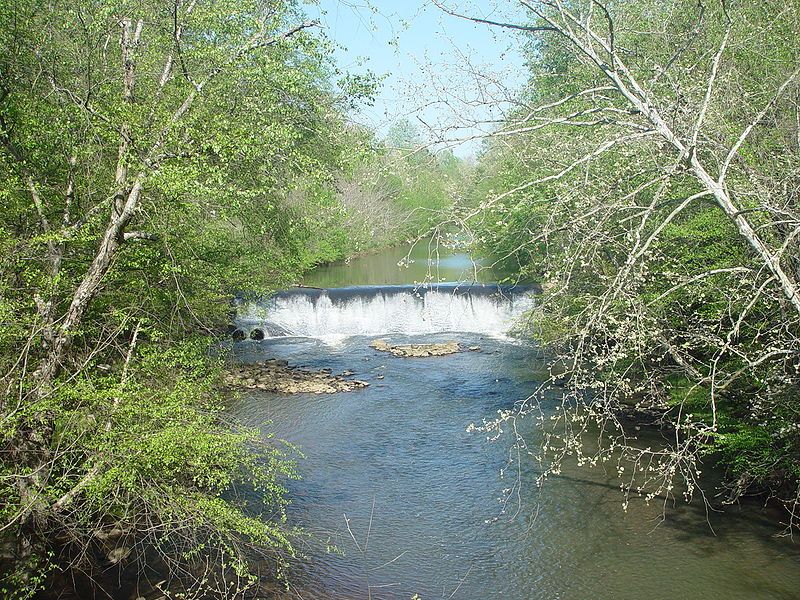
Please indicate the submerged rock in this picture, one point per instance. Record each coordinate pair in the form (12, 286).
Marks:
(277, 376)
(118, 554)
(416, 350)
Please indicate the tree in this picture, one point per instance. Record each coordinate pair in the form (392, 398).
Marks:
(149, 151)
(648, 176)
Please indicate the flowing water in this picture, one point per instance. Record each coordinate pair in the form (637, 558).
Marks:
(386, 309)
(399, 499)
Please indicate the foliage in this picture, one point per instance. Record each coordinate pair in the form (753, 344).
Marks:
(398, 189)
(155, 158)
(167, 480)
(648, 178)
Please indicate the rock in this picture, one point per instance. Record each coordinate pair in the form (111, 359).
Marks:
(347, 373)
(118, 554)
(277, 376)
(381, 345)
(416, 350)
(114, 533)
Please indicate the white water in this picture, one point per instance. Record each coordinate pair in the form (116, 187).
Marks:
(385, 310)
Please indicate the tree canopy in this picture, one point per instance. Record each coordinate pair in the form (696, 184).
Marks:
(156, 158)
(647, 176)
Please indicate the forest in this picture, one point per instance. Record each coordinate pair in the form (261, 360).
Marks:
(159, 158)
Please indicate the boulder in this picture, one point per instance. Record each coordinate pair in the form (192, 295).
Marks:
(277, 376)
(416, 350)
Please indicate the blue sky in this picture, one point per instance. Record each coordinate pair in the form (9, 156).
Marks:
(427, 57)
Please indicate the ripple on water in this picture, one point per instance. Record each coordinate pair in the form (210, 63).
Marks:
(437, 524)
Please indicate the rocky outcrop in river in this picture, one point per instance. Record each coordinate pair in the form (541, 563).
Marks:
(419, 350)
(277, 376)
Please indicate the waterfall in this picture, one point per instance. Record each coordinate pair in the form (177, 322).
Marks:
(389, 309)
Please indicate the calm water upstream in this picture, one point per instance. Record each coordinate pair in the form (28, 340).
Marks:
(424, 261)
(411, 500)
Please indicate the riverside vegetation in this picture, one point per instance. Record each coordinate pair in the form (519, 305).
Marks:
(648, 178)
(157, 157)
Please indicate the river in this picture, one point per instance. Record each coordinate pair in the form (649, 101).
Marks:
(400, 499)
